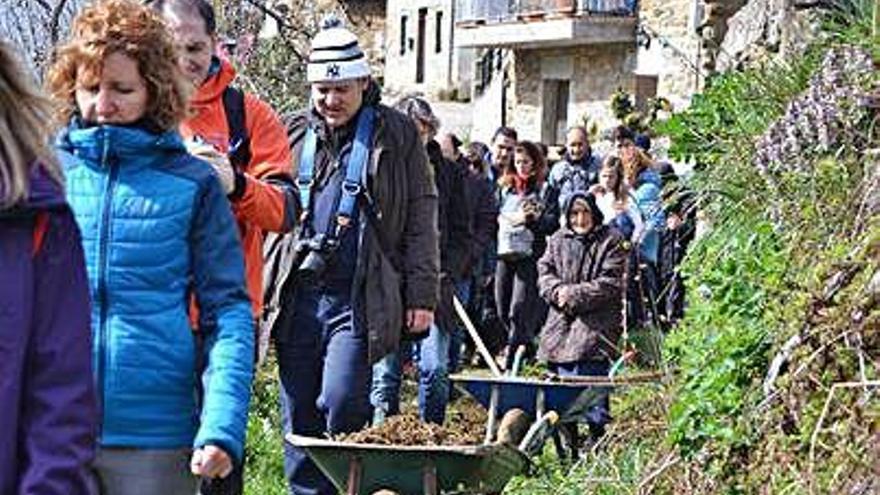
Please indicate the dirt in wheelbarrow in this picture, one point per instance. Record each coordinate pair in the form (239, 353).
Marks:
(465, 425)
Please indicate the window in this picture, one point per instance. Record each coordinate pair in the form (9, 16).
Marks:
(403, 20)
(438, 32)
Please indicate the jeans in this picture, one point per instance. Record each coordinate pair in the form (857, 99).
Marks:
(130, 471)
(325, 378)
(456, 331)
(598, 412)
(430, 355)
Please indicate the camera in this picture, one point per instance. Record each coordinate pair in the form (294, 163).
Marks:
(312, 257)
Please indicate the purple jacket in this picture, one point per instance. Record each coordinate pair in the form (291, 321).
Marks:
(48, 409)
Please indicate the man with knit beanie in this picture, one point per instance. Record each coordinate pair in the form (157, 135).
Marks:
(363, 272)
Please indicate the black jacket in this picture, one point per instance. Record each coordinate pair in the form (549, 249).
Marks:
(453, 213)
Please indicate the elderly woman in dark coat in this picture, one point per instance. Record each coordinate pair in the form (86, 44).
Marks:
(580, 276)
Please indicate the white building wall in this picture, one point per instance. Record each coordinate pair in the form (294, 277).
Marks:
(447, 72)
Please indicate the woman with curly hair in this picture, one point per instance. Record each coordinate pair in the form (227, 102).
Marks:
(46, 389)
(529, 212)
(157, 231)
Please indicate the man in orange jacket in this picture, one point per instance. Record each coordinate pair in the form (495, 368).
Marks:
(245, 142)
(258, 182)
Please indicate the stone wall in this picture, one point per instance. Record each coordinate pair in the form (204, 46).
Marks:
(674, 55)
(767, 28)
(594, 73)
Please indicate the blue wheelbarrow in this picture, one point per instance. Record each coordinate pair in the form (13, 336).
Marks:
(567, 397)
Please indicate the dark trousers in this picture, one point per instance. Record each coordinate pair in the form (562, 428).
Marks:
(516, 294)
(230, 485)
(641, 292)
(325, 379)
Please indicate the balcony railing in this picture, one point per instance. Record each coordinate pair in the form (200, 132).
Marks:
(496, 11)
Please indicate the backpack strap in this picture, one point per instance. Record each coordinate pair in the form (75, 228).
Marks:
(41, 226)
(352, 187)
(239, 141)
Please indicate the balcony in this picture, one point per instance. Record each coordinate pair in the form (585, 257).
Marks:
(544, 23)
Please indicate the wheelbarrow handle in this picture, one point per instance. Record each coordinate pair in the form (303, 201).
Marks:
(472, 330)
(517, 360)
(538, 432)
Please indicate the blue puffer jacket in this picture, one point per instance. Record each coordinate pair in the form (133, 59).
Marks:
(156, 228)
(647, 195)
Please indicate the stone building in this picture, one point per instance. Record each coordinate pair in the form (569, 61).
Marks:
(544, 66)
(671, 56)
(422, 55)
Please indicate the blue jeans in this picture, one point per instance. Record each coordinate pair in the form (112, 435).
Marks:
(325, 379)
(599, 414)
(430, 355)
(456, 331)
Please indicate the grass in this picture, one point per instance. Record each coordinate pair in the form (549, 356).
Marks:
(264, 464)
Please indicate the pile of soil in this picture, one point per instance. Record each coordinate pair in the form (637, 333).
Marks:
(465, 425)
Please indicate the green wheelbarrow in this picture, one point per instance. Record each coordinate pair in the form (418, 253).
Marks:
(362, 469)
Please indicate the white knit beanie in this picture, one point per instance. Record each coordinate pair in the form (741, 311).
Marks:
(336, 55)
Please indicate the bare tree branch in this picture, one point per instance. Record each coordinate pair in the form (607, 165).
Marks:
(44, 4)
(56, 20)
(282, 22)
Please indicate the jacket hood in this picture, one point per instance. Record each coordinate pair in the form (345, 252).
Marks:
(135, 144)
(45, 192)
(596, 213)
(649, 176)
(214, 86)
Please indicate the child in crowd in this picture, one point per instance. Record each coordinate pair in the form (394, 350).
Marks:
(615, 201)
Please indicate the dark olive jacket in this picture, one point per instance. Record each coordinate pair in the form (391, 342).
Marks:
(388, 280)
(589, 325)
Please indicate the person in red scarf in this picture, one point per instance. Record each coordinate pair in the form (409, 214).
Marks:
(529, 212)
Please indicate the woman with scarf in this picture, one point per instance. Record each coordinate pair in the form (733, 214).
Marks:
(528, 213)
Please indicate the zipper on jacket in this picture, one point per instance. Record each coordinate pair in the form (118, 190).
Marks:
(103, 235)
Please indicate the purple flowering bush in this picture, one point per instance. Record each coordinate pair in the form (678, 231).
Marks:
(823, 120)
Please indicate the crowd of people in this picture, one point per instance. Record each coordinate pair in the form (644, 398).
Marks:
(159, 227)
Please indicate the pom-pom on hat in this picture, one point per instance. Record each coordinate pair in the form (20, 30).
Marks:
(336, 55)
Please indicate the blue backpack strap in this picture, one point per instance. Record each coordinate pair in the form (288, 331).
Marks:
(357, 160)
(305, 179)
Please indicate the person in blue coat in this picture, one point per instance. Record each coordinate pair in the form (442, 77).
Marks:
(158, 233)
